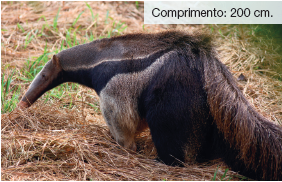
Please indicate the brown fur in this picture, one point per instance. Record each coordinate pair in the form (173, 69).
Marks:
(257, 140)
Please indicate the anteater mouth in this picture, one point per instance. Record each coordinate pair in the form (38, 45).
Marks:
(23, 104)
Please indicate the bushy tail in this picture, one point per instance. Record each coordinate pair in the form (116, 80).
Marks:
(254, 143)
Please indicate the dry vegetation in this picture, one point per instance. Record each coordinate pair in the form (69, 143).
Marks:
(63, 135)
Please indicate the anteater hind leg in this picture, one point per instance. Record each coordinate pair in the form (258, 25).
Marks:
(179, 128)
(177, 115)
(178, 135)
(167, 137)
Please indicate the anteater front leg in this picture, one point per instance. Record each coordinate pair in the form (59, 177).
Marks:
(121, 117)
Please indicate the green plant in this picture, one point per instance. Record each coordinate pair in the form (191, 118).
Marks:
(73, 24)
(20, 27)
(91, 11)
(33, 68)
(55, 22)
(136, 4)
(29, 39)
(223, 177)
(107, 17)
(9, 94)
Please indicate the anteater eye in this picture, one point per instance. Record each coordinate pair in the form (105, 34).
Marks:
(43, 75)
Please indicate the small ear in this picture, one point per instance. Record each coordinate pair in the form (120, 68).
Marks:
(55, 61)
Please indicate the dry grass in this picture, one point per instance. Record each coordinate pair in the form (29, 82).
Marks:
(53, 141)
(242, 57)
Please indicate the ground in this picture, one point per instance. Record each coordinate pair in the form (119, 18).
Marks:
(63, 136)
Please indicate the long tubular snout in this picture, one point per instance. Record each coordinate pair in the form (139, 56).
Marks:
(35, 90)
(48, 78)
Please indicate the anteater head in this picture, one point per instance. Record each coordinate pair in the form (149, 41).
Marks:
(49, 77)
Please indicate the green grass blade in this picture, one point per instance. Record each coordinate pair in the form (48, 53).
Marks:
(45, 48)
(107, 16)
(36, 62)
(219, 31)
(20, 27)
(68, 38)
(26, 39)
(214, 177)
(30, 39)
(91, 38)
(24, 79)
(109, 34)
(2, 88)
(73, 24)
(121, 30)
(74, 39)
(7, 105)
(42, 17)
(62, 45)
(55, 22)
(96, 17)
(89, 7)
(8, 83)
(136, 4)
(224, 175)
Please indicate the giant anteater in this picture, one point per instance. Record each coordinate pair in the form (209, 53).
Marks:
(174, 83)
